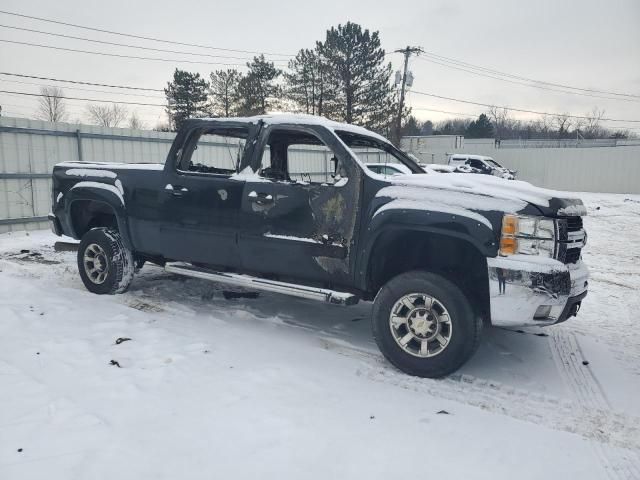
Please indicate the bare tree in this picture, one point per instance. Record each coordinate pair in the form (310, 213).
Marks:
(107, 116)
(563, 123)
(591, 126)
(500, 118)
(135, 122)
(51, 106)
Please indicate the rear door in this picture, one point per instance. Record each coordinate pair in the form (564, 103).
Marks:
(299, 211)
(202, 196)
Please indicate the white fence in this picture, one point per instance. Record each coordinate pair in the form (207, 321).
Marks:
(613, 169)
(30, 148)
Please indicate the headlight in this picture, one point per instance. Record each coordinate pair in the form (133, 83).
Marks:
(527, 235)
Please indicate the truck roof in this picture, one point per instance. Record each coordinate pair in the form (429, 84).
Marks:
(296, 119)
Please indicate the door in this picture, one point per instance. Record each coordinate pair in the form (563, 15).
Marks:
(299, 212)
(202, 198)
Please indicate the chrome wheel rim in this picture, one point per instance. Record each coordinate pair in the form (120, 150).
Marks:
(96, 265)
(421, 325)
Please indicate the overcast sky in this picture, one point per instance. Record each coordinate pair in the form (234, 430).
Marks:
(589, 44)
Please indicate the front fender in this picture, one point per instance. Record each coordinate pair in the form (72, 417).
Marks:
(470, 227)
(109, 195)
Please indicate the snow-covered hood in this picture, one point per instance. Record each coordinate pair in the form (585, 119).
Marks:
(480, 193)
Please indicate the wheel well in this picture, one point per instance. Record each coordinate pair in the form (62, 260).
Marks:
(88, 214)
(458, 260)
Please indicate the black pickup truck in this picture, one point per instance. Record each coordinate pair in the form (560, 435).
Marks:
(286, 204)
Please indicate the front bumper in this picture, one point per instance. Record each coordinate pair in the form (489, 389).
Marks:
(526, 290)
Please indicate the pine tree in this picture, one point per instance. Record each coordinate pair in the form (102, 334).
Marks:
(309, 83)
(258, 89)
(480, 128)
(224, 92)
(186, 97)
(356, 61)
(411, 127)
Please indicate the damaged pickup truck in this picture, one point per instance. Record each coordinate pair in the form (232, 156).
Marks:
(286, 204)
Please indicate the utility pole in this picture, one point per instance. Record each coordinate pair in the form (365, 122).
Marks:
(407, 52)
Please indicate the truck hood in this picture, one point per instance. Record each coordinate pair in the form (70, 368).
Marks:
(481, 193)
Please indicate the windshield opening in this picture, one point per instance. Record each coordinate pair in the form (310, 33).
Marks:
(373, 151)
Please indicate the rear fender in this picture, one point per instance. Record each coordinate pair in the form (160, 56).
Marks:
(106, 194)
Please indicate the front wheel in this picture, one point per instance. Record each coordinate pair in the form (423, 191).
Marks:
(106, 266)
(424, 324)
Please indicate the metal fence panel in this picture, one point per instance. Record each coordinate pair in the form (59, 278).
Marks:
(30, 148)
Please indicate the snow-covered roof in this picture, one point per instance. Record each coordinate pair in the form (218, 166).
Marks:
(456, 156)
(302, 119)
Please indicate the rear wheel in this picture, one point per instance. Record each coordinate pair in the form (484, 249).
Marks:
(106, 266)
(424, 324)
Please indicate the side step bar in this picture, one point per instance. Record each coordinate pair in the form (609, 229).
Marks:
(312, 293)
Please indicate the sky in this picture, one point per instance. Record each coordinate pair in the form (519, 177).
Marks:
(588, 44)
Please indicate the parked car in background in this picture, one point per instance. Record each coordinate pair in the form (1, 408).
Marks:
(440, 168)
(388, 168)
(482, 164)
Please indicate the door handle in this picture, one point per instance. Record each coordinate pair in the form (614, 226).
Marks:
(176, 190)
(260, 198)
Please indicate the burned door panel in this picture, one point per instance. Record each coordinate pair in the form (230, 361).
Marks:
(300, 228)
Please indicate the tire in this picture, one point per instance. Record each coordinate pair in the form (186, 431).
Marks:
(433, 346)
(106, 266)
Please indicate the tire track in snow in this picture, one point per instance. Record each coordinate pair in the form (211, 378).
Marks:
(618, 464)
(602, 425)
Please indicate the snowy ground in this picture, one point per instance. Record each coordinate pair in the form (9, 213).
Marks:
(275, 387)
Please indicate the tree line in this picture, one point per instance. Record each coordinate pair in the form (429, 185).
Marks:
(344, 77)
(499, 124)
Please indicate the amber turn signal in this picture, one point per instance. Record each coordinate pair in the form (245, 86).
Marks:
(508, 245)
(509, 225)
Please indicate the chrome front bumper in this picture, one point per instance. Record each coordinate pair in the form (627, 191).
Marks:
(535, 291)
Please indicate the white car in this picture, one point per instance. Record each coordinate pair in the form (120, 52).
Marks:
(389, 168)
(482, 164)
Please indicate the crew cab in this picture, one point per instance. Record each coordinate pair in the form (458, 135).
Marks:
(481, 164)
(286, 204)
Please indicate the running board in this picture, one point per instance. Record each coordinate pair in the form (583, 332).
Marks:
(311, 293)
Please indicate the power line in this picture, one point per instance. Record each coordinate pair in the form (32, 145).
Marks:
(520, 77)
(86, 99)
(172, 60)
(112, 32)
(444, 111)
(81, 82)
(126, 45)
(84, 89)
(541, 87)
(519, 109)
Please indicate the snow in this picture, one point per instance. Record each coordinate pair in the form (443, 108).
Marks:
(302, 119)
(112, 166)
(292, 238)
(91, 172)
(277, 387)
(489, 190)
(435, 205)
(530, 263)
(573, 210)
(101, 186)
